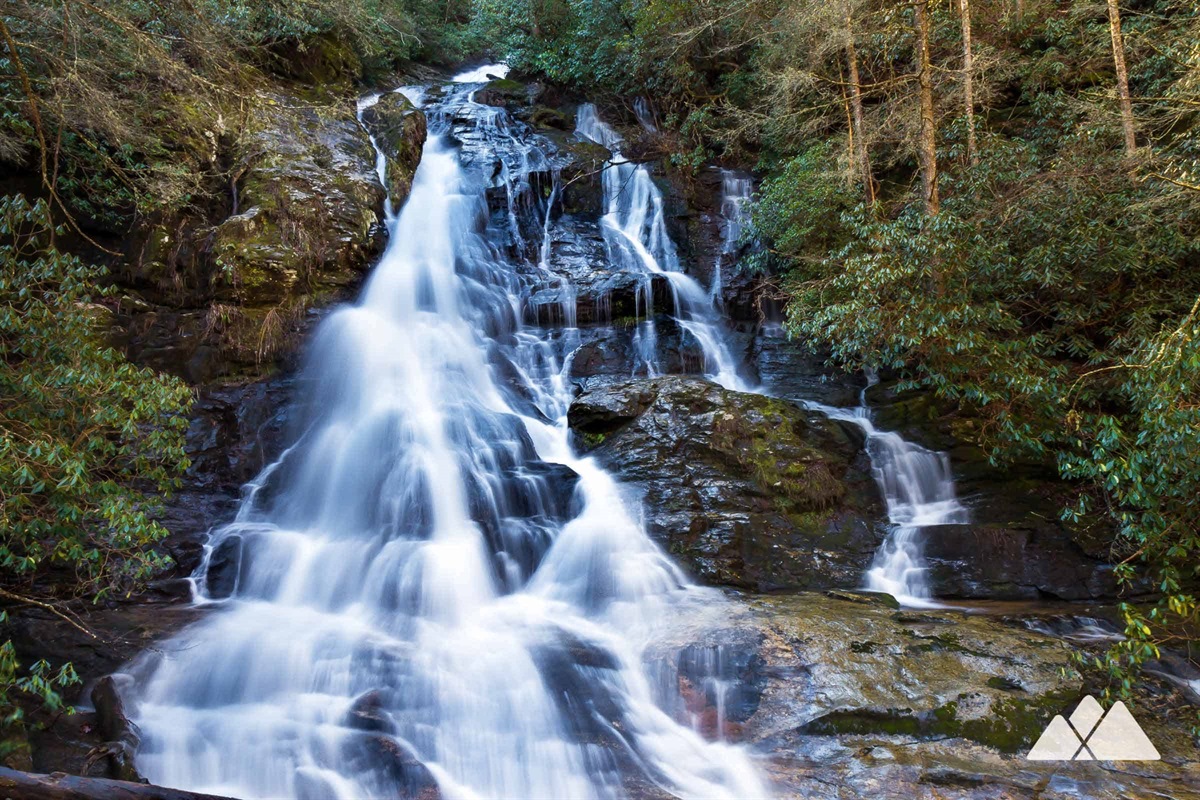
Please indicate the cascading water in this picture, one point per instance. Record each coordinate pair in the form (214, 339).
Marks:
(635, 232)
(918, 491)
(916, 483)
(419, 594)
(644, 114)
(736, 193)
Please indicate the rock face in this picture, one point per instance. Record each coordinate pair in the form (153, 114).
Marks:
(1017, 546)
(858, 699)
(399, 130)
(224, 290)
(236, 431)
(88, 742)
(745, 490)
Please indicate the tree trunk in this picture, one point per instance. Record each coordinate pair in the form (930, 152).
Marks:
(927, 149)
(27, 786)
(1118, 46)
(968, 81)
(862, 155)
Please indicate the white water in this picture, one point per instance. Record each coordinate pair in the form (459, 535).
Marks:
(918, 491)
(415, 547)
(736, 195)
(916, 483)
(644, 114)
(635, 232)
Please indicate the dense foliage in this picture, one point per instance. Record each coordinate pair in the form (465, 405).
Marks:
(87, 439)
(109, 103)
(1048, 285)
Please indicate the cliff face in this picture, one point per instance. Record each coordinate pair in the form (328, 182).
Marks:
(222, 294)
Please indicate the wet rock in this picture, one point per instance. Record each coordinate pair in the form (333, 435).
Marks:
(367, 713)
(582, 170)
(121, 737)
(236, 431)
(392, 766)
(577, 674)
(792, 369)
(1017, 545)
(504, 93)
(608, 408)
(1014, 562)
(744, 490)
(225, 569)
(578, 259)
(399, 129)
(613, 351)
(865, 700)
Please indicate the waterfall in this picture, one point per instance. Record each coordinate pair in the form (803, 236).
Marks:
(644, 114)
(918, 491)
(635, 232)
(430, 585)
(916, 483)
(736, 192)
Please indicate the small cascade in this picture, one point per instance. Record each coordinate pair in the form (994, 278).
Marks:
(918, 491)
(736, 194)
(635, 233)
(644, 114)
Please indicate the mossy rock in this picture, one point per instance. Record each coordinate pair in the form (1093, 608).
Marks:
(876, 673)
(322, 60)
(748, 491)
(503, 93)
(298, 227)
(400, 131)
(543, 117)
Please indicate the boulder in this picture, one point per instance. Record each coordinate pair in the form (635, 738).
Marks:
(223, 288)
(858, 699)
(504, 93)
(400, 130)
(121, 737)
(307, 206)
(745, 490)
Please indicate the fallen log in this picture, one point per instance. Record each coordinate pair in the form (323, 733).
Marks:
(16, 785)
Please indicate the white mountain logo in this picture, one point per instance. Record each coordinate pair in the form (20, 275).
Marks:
(1092, 735)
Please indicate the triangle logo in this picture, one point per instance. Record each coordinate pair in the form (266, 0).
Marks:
(1093, 735)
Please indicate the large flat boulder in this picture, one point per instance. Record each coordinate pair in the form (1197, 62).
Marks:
(745, 490)
(843, 695)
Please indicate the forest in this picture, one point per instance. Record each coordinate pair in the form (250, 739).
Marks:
(997, 200)
(989, 205)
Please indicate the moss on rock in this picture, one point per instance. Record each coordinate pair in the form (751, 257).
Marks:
(400, 130)
(749, 491)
